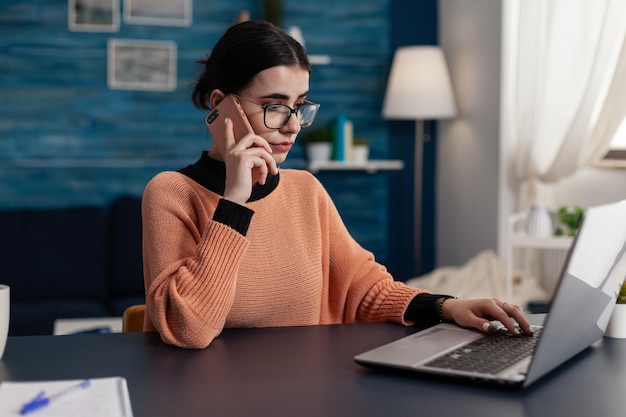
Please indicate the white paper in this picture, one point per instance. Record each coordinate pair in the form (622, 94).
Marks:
(104, 397)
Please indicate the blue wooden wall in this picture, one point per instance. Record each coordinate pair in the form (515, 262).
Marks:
(66, 139)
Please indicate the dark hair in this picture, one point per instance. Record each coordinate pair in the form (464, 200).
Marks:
(246, 49)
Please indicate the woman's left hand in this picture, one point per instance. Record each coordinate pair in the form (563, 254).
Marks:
(478, 314)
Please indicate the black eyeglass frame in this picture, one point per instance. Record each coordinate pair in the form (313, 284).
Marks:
(295, 111)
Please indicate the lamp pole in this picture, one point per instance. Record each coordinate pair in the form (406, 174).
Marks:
(418, 173)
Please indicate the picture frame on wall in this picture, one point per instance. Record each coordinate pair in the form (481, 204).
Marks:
(158, 12)
(93, 15)
(141, 65)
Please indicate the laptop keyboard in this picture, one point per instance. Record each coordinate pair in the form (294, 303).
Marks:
(490, 354)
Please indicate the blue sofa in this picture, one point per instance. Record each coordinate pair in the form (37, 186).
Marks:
(71, 263)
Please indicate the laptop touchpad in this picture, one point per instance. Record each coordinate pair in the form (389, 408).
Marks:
(422, 345)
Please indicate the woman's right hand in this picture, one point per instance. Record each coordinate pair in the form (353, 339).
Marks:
(248, 161)
(479, 313)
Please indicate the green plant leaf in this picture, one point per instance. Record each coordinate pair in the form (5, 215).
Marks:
(621, 297)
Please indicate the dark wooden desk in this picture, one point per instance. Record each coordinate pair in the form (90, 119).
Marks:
(306, 371)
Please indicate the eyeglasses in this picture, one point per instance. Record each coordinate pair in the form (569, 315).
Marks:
(276, 116)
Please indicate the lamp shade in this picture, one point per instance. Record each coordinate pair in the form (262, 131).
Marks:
(419, 85)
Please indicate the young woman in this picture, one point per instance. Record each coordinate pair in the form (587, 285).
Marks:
(234, 241)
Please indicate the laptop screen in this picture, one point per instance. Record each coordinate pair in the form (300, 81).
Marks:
(588, 288)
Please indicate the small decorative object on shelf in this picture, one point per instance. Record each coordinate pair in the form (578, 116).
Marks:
(318, 144)
(319, 151)
(617, 323)
(538, 222)
(360, 151)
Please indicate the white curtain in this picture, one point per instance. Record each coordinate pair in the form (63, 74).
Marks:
(569, 85)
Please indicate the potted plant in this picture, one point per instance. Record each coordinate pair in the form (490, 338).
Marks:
(617, 324)
(318, 144)
(360, 150)
(570, 218)
(274, 11)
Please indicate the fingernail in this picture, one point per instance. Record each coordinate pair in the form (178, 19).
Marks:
(226, 120)
(486, 326)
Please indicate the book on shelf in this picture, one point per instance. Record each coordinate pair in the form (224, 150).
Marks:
(343, 138)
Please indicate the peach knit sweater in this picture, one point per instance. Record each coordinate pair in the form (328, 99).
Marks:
(297, 265)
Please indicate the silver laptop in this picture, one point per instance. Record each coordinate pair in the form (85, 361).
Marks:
(577, 317)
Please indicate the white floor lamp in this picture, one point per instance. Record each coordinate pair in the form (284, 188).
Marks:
(418, 89)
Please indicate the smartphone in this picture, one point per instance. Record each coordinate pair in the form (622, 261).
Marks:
(230, 108)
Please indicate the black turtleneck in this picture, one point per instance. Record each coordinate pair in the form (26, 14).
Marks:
(211, 174)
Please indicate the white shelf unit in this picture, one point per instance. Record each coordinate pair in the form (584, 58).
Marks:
(369, 166)
(518, 239)
(319, 59)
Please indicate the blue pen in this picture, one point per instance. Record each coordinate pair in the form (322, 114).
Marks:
(41, 401)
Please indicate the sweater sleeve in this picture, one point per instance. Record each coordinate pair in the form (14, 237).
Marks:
(359, 288)
(190, 264)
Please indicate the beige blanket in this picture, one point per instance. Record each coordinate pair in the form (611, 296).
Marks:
(483, 276)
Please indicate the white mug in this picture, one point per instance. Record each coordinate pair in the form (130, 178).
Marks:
(5, 302)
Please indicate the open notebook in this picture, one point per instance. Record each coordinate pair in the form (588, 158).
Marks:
(577, 317)
(96, 397)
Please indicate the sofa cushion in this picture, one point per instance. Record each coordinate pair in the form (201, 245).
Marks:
(125, 258)
(54, 253)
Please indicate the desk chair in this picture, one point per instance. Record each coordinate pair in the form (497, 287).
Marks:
(132, 319)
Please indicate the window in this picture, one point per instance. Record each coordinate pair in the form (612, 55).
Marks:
(616, 156)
